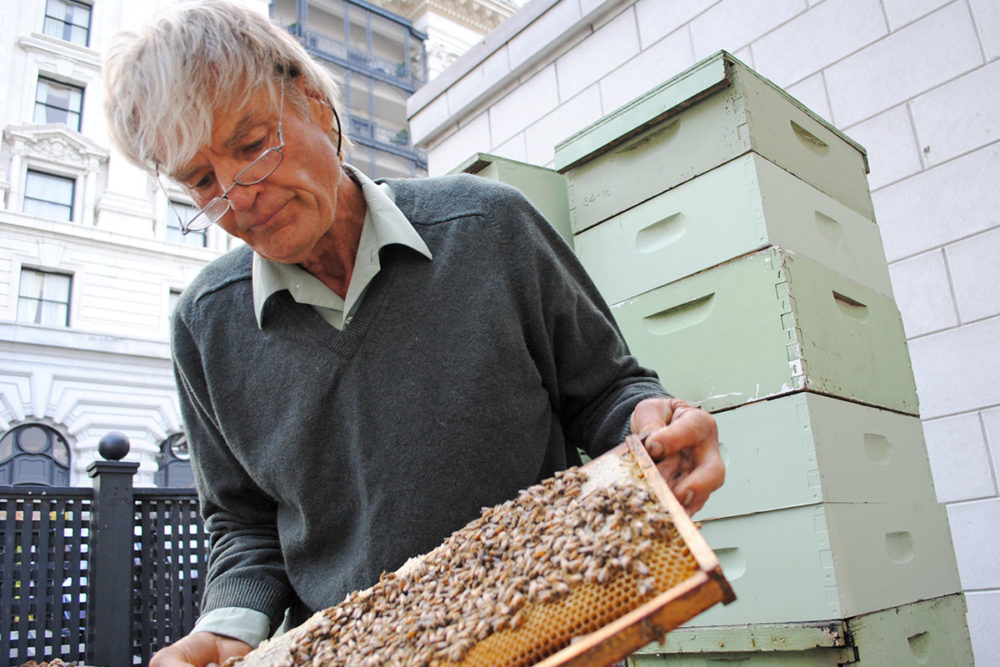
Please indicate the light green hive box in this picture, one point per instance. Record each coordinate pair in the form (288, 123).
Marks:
(544, 188)
(768, 324)
(713, 112)
(805, 448)
(742, 206)
(928, 632)
(830, 561)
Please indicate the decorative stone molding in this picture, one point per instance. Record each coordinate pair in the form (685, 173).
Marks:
(55, 144)
(479, 15)
(63, 58)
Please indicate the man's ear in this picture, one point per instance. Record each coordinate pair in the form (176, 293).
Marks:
(319, 107)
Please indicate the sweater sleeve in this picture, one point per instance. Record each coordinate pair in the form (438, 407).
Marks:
(245, 566)
(593, 380)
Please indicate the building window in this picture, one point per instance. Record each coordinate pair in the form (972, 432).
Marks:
(34, 454)
(57, 102)
(49, 196)
(181, 211)
(68, 20)
(43, 298)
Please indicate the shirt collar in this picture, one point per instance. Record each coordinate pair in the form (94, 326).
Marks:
(384, 225)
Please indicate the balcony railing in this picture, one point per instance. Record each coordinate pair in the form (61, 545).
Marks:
(394, 140)
(407, 75)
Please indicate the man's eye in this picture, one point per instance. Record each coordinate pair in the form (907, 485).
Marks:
(255, 148)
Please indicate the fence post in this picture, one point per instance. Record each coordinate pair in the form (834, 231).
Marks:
(109, 580)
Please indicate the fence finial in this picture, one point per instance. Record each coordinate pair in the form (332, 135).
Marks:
(113, 446)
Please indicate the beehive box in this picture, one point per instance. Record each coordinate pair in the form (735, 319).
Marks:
(742, 206)
(544, 188)
(831, 560)
(582, 569)
(805, 448)
(768, 324)
(712, 113)
(926, 632)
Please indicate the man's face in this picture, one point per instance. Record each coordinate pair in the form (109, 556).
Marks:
(285, 215)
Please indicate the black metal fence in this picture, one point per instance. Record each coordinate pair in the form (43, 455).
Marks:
(103, 576)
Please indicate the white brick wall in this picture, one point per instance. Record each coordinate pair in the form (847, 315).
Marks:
(914, 81)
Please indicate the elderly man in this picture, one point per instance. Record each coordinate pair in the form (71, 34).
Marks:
(380, 360)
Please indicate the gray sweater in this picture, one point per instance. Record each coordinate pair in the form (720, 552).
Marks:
(323, 458)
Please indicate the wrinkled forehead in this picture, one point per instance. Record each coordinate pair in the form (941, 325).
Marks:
(216, 116)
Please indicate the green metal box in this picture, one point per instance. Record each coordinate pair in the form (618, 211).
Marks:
(768, 324)
(830, 560)
(805, 448)
(927, 632)
(744, 205)
(544, 188)
(713, 112)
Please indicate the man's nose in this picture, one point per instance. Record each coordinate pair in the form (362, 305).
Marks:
(241, 197)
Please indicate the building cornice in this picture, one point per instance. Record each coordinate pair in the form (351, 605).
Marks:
(479, 15)
(49, 46)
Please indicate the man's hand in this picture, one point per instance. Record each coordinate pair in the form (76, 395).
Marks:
(683, 441)
(199, 650)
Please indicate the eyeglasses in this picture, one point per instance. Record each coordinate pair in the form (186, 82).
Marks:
(261, 168)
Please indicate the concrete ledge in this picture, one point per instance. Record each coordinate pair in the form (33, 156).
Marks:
(538, 29)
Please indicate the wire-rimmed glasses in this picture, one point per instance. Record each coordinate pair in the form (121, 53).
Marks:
(252, 174)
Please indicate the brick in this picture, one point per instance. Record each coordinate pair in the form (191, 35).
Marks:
(812, 93)
(975, 530)
(892, 147)
(960, 461)
(956, 370)
(572, 116)
(923, 293)
(826, 33)
(476, 82)
(991, 424)
(659, 62)
(523, 105)
(429, 118)
(975, 274)
(986, 14)
(940, 205)
(512, 149)
(984, 610)
(960, 116)
(597, 55)
(732, 24)
(658, 19)
(901, 12)
(537, 36)
(911, 61)
(466, 140)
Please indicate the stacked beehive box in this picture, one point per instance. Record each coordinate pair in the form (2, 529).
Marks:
(732, 231)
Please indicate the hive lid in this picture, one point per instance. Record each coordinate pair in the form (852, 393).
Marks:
(660, 103)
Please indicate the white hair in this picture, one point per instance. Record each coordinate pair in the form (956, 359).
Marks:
(164, 84)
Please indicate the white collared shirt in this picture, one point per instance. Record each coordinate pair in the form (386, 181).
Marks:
(384, 225)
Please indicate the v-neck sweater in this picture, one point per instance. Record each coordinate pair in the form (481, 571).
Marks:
(323, 458)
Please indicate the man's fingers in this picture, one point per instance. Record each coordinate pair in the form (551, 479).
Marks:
(707, 476)
(689, 428)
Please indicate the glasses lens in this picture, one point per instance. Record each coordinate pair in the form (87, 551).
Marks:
(209, 215)
(261, 168)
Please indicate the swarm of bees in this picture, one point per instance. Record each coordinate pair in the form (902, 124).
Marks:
(501, 590)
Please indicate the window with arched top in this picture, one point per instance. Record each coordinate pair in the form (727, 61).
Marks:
(34, 454)
(174, 462)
